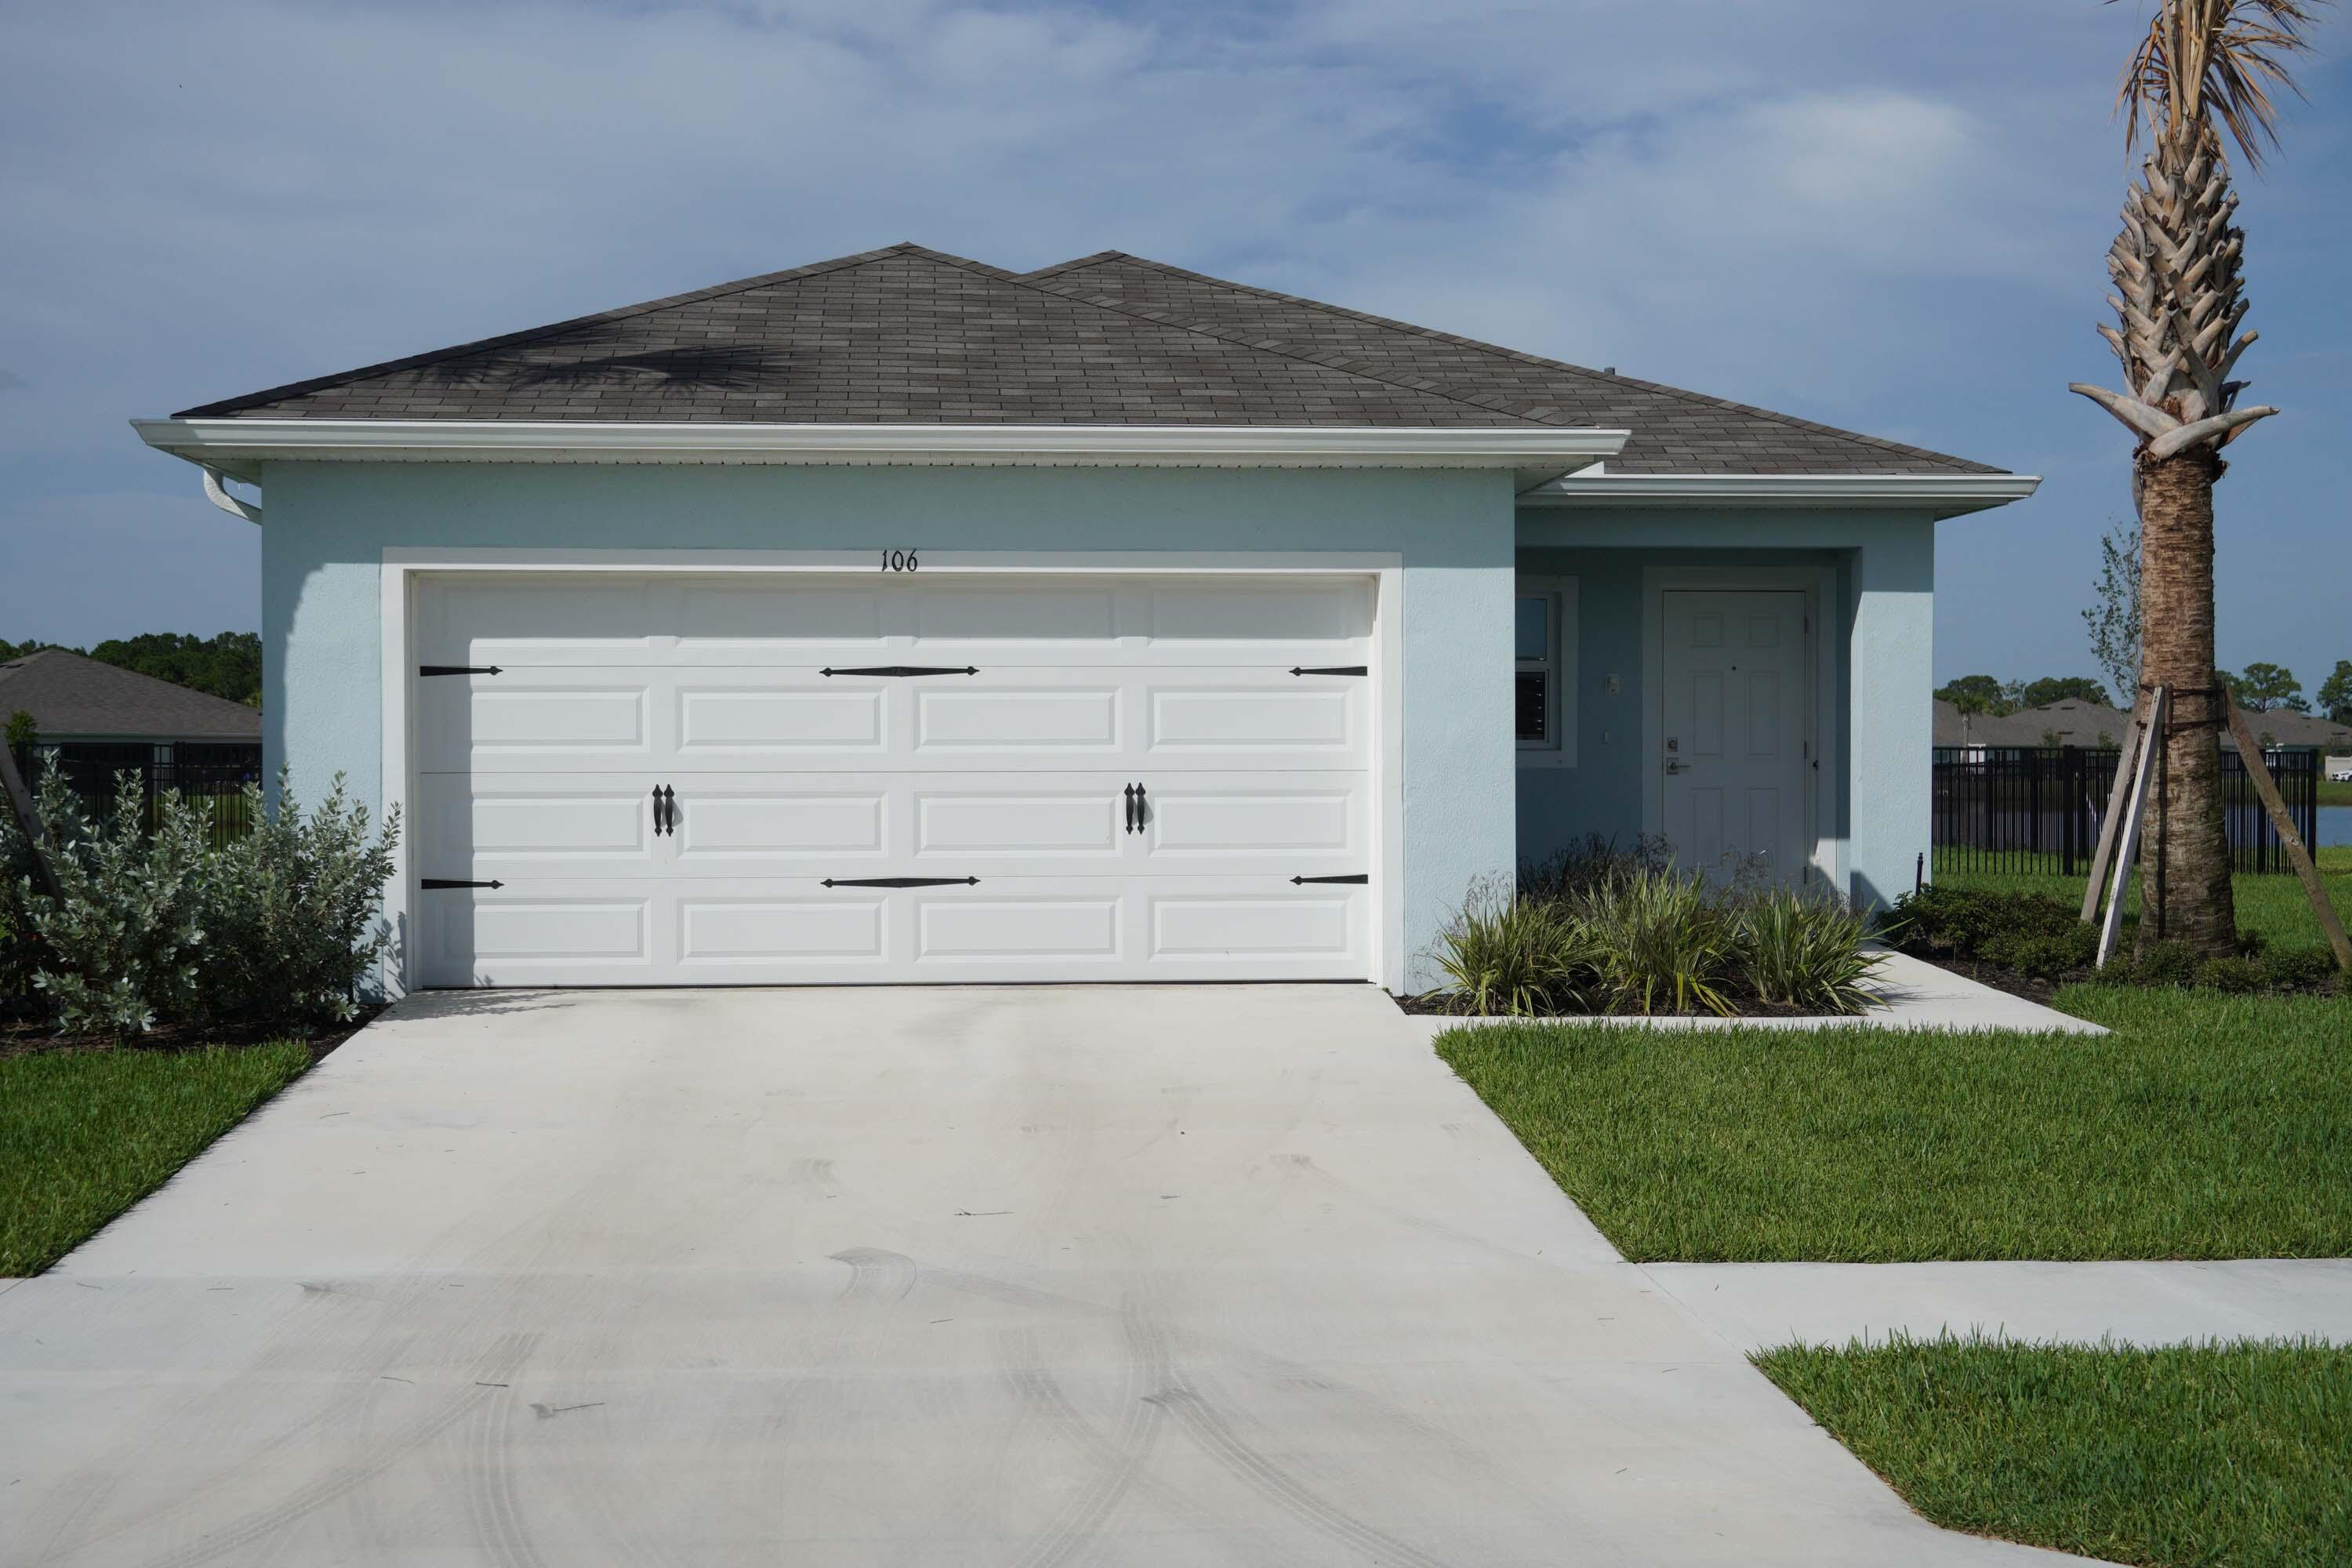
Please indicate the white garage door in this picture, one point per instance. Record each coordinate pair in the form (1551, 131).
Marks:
(630, 780)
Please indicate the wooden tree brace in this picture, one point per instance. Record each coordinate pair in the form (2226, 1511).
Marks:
(2151, 747)
(2300, 857)
(2118, 796)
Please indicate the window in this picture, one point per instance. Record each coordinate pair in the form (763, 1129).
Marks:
(1544, 695)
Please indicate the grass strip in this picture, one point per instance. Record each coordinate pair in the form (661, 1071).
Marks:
(2207, 1126)
(86, 1134)
(2195, 1455)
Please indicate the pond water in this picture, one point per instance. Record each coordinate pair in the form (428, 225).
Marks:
(2335, 824)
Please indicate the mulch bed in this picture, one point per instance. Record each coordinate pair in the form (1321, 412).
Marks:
(1445, 1005)
(20, 1038)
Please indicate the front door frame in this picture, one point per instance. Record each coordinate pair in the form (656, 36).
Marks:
(402, 567)
(1819, 585)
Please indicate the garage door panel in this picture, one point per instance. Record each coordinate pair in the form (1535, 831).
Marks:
(1267, 926)
(1079, 928)
(993, 717)
(986, 819)
(749, 722)
(730, 817)
(718, 930)
(1194, 720)
(1255, 817)
(542, 819)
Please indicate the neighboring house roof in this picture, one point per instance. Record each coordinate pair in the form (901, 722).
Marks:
(906, 335)
(69, 695)
(2079, 724)
(2075, 721)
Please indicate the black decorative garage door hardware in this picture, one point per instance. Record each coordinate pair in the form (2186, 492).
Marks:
(1333, 670)
(1359, 879)
(458, 670)
(902, 881)
(665, 811)
(902, 670)
(431, 882)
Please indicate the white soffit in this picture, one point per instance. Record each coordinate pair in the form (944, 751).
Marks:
(1946, 495)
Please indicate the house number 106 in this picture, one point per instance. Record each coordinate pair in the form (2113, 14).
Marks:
(898, 561)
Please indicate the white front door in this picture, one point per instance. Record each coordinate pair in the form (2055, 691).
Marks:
(1737, 732)
(685, 780)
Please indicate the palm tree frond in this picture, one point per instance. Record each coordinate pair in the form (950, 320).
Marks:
(2204, 66)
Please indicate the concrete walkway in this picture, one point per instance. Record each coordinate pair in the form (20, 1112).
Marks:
(1758, 1305)
(1914, 994)
(1023, 1275)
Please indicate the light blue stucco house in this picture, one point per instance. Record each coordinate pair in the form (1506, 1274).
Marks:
(901, 617)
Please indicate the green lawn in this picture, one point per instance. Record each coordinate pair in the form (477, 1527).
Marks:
(2336, 792)
(2206, 1126)
(2275, 906)
(86, 1134)
(2229, 1454)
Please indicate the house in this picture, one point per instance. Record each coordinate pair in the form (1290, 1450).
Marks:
(2070, 721)
(84, 708)
(2073, 722)
(902, 618)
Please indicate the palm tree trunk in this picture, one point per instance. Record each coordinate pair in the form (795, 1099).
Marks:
(2185, 853)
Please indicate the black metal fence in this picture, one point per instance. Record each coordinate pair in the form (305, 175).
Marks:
(210, 774)
(2038, 808)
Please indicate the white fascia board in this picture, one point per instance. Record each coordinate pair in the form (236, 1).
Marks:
(1946, 495)
(237, 446)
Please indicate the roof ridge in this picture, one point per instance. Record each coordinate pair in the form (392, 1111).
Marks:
(1422, 385)
(1523, 357)
(1030, 276)
(506, 339)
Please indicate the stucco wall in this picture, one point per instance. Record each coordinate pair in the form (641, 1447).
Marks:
(1878, 636)
(329, 522)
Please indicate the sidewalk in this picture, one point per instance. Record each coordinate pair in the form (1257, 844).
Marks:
(1759, 1305)
(1915, 994)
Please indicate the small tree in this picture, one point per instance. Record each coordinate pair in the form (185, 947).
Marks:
(2264, 687)
(2335, 693)
(2113, 615)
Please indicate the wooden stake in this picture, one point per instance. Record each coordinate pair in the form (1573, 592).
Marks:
(28, 822)
(2151, 747)
(2251, 750)
(2110, 823)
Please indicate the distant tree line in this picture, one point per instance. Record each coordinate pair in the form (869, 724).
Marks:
(2258, 688)
(226, 665)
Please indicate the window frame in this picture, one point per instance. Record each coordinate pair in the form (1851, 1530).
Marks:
(1559, 664)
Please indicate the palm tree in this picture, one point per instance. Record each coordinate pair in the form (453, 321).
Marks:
(2205, 69)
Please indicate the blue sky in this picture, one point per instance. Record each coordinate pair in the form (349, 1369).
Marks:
(1886, 216)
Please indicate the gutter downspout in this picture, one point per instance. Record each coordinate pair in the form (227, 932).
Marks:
(217, 492)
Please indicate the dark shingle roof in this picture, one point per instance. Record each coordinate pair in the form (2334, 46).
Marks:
(1674, 432)
(906, 335)
(69, 695)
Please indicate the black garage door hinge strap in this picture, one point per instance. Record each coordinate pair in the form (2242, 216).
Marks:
(430, 882)
(906, 669)
(457, 669)
(1333, 670)
(902, 881)
(1359, 879)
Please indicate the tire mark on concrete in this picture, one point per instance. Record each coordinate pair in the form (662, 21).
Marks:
(507, 1356)
(1120, 1460)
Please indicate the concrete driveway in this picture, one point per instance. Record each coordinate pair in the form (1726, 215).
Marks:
(1023, 1275)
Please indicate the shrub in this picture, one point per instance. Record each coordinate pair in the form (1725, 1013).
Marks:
(1803, 952)
(290, 922)
(1660, 944)
(2231, 973)
(154, 925)
(2296, 968)
(120, 942)
(1510, 954)
(1962, 922)
(2044, 955)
